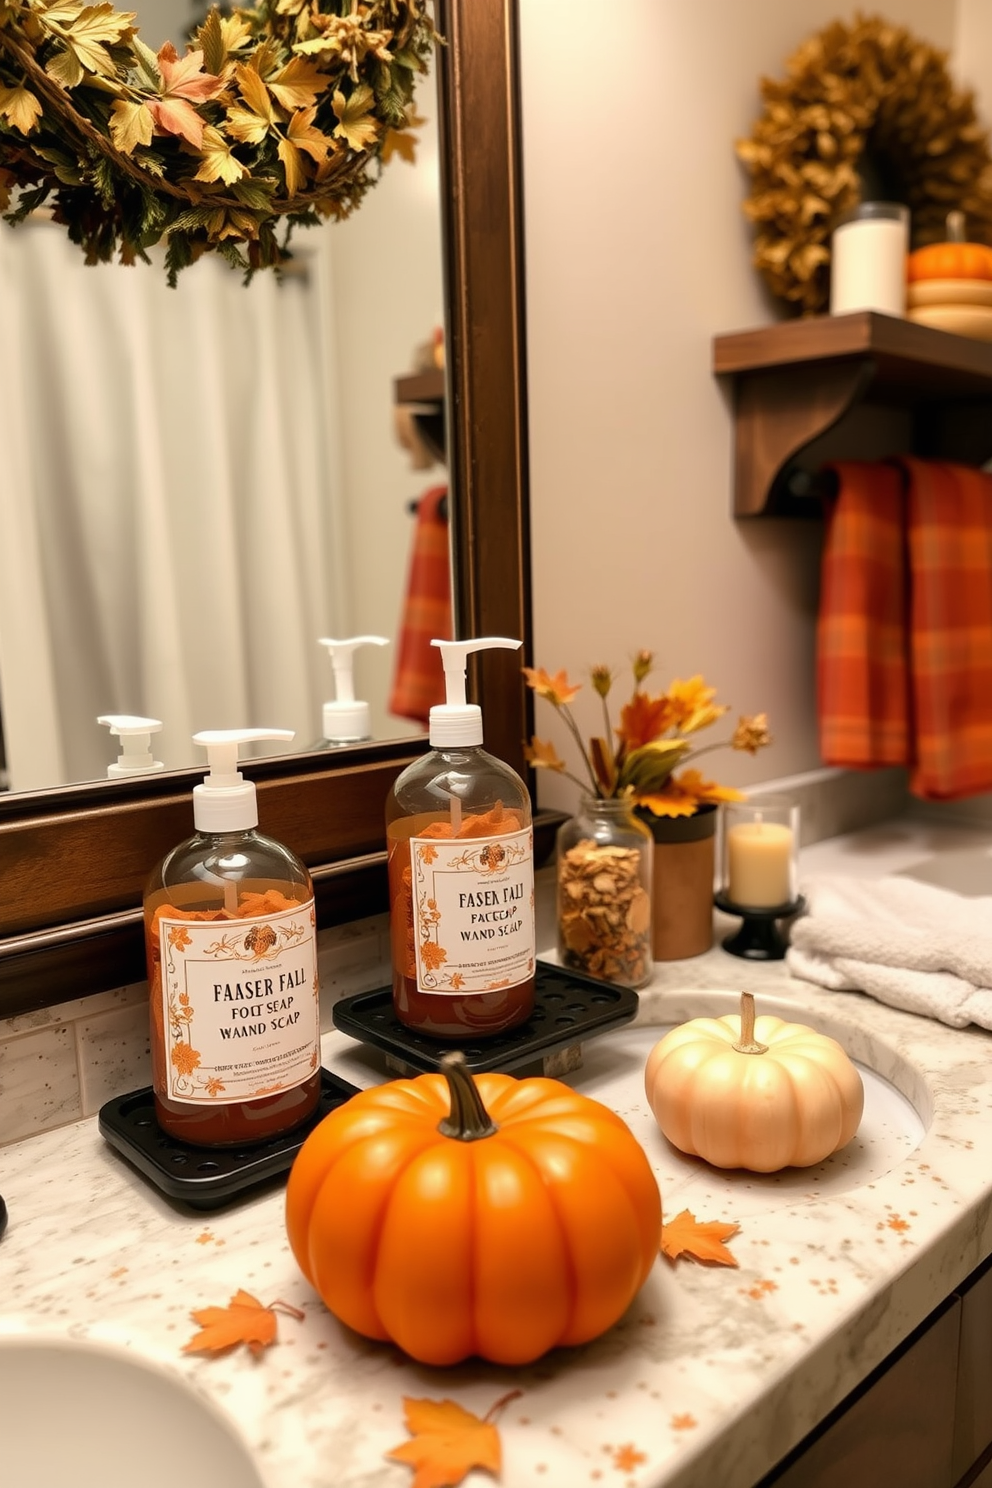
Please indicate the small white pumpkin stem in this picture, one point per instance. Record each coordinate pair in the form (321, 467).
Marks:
(747, 1043)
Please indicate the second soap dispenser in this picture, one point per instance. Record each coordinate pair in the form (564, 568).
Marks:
(461, 875)
(230, 933)
(346, 720)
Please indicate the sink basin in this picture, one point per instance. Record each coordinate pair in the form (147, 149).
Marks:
(897, 1112)
(84, 1414)
(964, 870)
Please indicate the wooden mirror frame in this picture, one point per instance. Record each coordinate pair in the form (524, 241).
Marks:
(74, 860)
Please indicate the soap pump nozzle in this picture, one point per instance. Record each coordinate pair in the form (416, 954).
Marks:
(135, 735)
(347, 719)
(226, 801)
(456, 722)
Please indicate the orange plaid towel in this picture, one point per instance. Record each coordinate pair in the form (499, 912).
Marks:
(904, 634)
(950, 564)
(862, 659)
(418, 682)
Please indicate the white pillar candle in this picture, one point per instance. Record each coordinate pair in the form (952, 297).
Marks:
(868, 260)
(759, 864)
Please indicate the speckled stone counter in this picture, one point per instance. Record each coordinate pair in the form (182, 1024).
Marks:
(712, 1376)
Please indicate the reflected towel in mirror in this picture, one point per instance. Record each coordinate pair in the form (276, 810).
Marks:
(419, 679)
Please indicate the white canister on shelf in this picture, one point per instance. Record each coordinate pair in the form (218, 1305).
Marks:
(868, 259)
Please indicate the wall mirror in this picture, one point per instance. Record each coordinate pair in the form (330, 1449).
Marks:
(202, 481)
(73, 860)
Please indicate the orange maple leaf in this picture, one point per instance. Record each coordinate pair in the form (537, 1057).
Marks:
(448, 1441)
(556, 689)
(700, 1239)
(244, 1320)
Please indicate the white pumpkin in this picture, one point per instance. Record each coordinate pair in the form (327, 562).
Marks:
(761, 1094)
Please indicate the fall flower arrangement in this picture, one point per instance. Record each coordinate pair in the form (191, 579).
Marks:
(637, 757)
(278, 115)
(851, 89)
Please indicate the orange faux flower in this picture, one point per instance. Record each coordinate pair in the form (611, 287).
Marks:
(692, 705)
(636, 758)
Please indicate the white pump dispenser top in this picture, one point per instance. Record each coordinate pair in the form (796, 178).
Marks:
(226, 801)
(347, 719)
(135, 734)
(455, 722)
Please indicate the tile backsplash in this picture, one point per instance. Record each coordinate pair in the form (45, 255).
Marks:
(65, 1062)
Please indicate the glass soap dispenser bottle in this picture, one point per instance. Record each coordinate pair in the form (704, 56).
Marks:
(461, 875)
(346, 720)
(230, 936)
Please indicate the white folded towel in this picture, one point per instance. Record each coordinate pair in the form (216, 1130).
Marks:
(909, 944)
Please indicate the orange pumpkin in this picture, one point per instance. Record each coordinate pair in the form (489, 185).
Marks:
(950, 261)
(756, 1093)
(499, 1218)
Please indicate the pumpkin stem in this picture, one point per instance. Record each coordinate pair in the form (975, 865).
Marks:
(747, 1044)
(468, 1120)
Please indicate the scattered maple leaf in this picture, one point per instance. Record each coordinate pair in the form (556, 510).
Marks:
(448, 1441)
(244, 1320)
(700, 1239)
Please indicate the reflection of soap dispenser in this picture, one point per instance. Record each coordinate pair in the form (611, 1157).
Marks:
(135, 735)
(347, 720)
(461, 875)
(230, 937)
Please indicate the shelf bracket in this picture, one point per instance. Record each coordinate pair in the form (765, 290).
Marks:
(780, 410)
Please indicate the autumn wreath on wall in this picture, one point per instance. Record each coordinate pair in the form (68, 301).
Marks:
(865, 110)
(273, 118)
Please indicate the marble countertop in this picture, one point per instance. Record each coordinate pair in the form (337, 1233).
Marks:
(713, 1374)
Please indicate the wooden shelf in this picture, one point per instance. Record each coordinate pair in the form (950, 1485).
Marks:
(423, 393)
(861, 385)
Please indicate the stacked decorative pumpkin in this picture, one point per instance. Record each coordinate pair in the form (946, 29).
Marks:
(756, 1093)
(950, 284)
(497, 1218)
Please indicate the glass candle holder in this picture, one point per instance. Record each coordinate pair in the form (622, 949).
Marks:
(868, 252)
(759, 874)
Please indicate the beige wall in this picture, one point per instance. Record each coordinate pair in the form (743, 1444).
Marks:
(637, 255)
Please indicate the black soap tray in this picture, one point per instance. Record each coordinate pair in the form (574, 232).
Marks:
(569, 1008)
(207, 1177)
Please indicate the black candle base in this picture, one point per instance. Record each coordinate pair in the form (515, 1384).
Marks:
(758, 938)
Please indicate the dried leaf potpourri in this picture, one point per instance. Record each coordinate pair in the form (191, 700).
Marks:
(856, 95)
(275, 117)
(604, 912)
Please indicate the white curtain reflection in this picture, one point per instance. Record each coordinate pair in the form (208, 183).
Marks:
(168, 531)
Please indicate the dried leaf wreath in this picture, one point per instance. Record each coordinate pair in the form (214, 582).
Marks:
(274, 118)
(859, 93)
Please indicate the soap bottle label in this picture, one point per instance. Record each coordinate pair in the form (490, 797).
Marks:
(473, 912)
(240, 1003)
